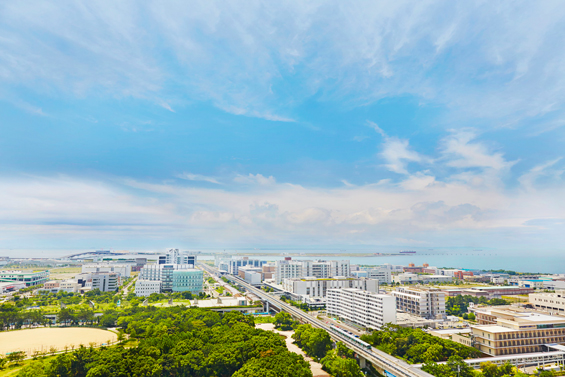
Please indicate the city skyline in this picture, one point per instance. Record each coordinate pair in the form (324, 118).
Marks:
(433, 125)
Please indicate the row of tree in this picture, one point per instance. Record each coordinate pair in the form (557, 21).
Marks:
(417, 346)
(456, 367)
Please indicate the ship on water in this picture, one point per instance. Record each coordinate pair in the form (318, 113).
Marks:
(407, 252)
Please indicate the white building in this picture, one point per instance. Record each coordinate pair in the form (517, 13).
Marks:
(427, 303)
(104, 281)
(552, 302)
(174, 256)
(69, 286)
(317, 288)
(253, 277)
(147, 287)
(165, 274)
(381, 274)
(368, 309)
(123, 269)
(232, 265)
(290, 269)
(410, 278)
(6, 287)
(497, 280)
(393, 267)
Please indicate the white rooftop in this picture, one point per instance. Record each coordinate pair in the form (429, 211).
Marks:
(494, 328)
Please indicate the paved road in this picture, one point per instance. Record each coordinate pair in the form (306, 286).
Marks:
(396, 367)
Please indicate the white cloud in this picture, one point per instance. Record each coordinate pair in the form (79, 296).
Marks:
(462, 152)
(528, 179)
(258, 62)
(166, 106)
(376, 127)
(255, 179)
(198, 177)
(420, 208)
(398, 154)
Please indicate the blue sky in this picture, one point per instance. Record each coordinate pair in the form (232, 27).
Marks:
(308, 125)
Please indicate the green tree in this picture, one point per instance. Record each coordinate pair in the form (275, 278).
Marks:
(16, 357)
(286, 364)
(457, 365)
(34, 369)
(284, 321)
(489, 369)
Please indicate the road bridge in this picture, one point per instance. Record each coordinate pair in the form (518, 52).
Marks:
(383, 362)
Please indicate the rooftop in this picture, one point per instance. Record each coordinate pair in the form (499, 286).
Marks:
(494, 328)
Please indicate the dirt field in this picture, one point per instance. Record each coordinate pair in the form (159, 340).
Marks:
(43, 339)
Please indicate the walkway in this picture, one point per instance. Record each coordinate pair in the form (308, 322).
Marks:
(315, 367)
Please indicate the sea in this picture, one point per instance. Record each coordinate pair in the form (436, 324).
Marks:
(534, 262)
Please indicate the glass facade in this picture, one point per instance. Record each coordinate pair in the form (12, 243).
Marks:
(188, 281)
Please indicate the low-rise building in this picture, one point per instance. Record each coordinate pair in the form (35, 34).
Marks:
(512, 331)
(51, 284)
(269, 271)
(123, 269)
(497, 280)
(370, 310)
(8, 287)
(147, 287)
(553, 302)
(427, 303)
(69, 286)
(465, 292)
(30, 279)
(498, 292)
(253, 277)
(383, 275)
(318, 288)
(231, 266)
(410, 278)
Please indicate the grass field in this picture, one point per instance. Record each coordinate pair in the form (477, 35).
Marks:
(64, 273)
(44, 338)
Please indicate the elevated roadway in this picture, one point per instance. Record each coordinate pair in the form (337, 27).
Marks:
(383, 362)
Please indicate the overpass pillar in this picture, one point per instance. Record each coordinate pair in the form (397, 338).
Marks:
(267, 308)
(362, 362)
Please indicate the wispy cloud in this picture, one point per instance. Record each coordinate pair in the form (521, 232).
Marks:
(256, 62)
(528, 179)
(397, 152)
(255, 179)
(198, 177)
(463, 152)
